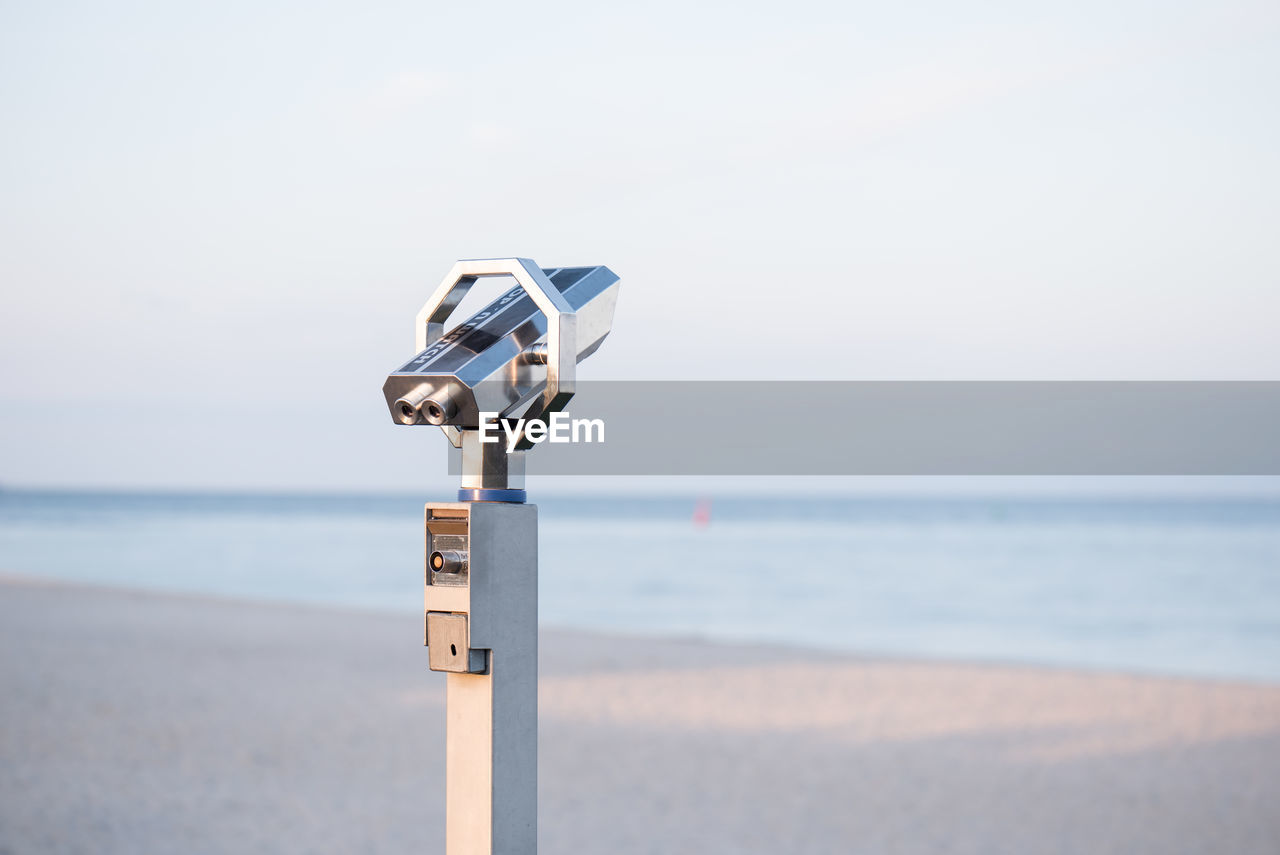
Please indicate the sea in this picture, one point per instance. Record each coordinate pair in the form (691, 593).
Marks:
(1173, 586)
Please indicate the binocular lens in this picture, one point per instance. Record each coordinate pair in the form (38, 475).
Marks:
(424, 404)
(417, 406)
(433, 412)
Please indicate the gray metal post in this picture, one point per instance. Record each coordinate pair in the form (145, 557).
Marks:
(482, 627)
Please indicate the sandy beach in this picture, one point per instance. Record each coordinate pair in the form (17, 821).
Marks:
(139, 722)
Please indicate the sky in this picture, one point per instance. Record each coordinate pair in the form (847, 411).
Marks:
(219, 219)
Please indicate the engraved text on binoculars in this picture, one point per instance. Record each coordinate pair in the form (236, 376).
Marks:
(462, 329)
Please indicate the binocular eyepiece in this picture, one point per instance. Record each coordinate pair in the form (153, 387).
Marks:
(424, 405)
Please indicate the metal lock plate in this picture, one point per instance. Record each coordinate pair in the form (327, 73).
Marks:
(447, 532)
(448, 645)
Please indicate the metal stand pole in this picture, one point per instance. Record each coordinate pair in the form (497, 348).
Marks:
(482, 627)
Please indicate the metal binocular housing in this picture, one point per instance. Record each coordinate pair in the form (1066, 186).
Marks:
(515, 357)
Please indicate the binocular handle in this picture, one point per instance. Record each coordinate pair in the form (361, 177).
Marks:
(562, 346)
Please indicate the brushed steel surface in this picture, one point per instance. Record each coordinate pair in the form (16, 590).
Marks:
(448, 645)
(492, 718)
(516, 356)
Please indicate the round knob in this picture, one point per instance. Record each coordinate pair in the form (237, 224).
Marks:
(447, 561)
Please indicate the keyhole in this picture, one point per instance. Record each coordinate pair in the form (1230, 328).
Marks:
(453, 650)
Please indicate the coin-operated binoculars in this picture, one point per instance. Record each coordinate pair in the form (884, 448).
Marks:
(516, 357)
